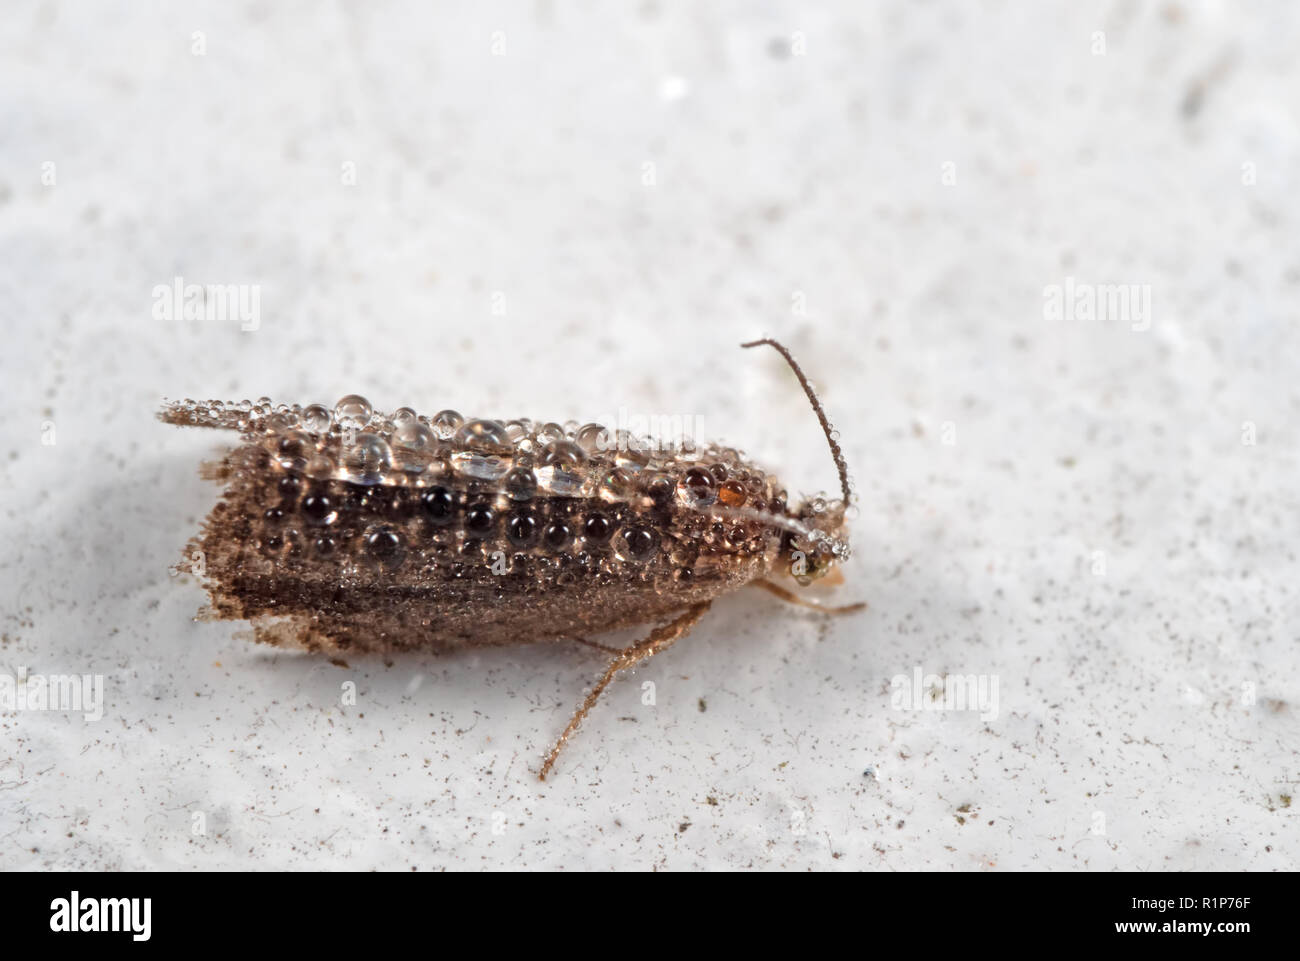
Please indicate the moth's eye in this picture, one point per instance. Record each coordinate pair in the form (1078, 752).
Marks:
(438, 505)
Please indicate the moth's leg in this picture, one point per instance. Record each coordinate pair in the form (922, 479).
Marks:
(790, 597)
(661, 638)
(593, 644)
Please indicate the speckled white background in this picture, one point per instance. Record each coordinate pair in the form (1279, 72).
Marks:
(1148, 693)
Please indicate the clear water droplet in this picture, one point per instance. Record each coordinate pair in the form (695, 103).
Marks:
(563, 468)
(618, 485)
(366, 461)
(563, 453)
(446, 422)
(593, 438)
(697, 489)
(630, 451)
(294, 449)
(354, 409)
(520, 484)
(384, 546)
(635, 543)
(320, 467)
(414, 435)
(482, 434)
(481, 466)
(317, 418)
(413, 446)
(549, 433)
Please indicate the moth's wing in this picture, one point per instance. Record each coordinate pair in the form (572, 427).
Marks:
(292, 613)
(448, 587)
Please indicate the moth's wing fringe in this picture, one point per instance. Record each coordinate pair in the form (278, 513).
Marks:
(216, 470)
(184, 414)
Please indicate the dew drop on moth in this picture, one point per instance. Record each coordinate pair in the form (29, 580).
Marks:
(346, 530)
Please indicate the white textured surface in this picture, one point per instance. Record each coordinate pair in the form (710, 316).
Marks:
(780, 179)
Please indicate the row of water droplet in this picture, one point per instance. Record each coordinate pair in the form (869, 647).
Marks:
(354, 443)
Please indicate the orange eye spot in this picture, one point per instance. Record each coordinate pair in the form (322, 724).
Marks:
(732, 494)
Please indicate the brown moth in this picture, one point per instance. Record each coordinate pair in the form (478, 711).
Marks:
(347, 531)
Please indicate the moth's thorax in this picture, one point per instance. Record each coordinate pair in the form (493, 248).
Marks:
(352, 499)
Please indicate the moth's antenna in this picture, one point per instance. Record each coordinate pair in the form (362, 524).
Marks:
(817, 408)
(766, 517)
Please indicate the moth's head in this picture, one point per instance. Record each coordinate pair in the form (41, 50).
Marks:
(818, 539)
(824, 543)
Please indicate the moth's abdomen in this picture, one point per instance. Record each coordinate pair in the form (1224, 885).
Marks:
(380, 532)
